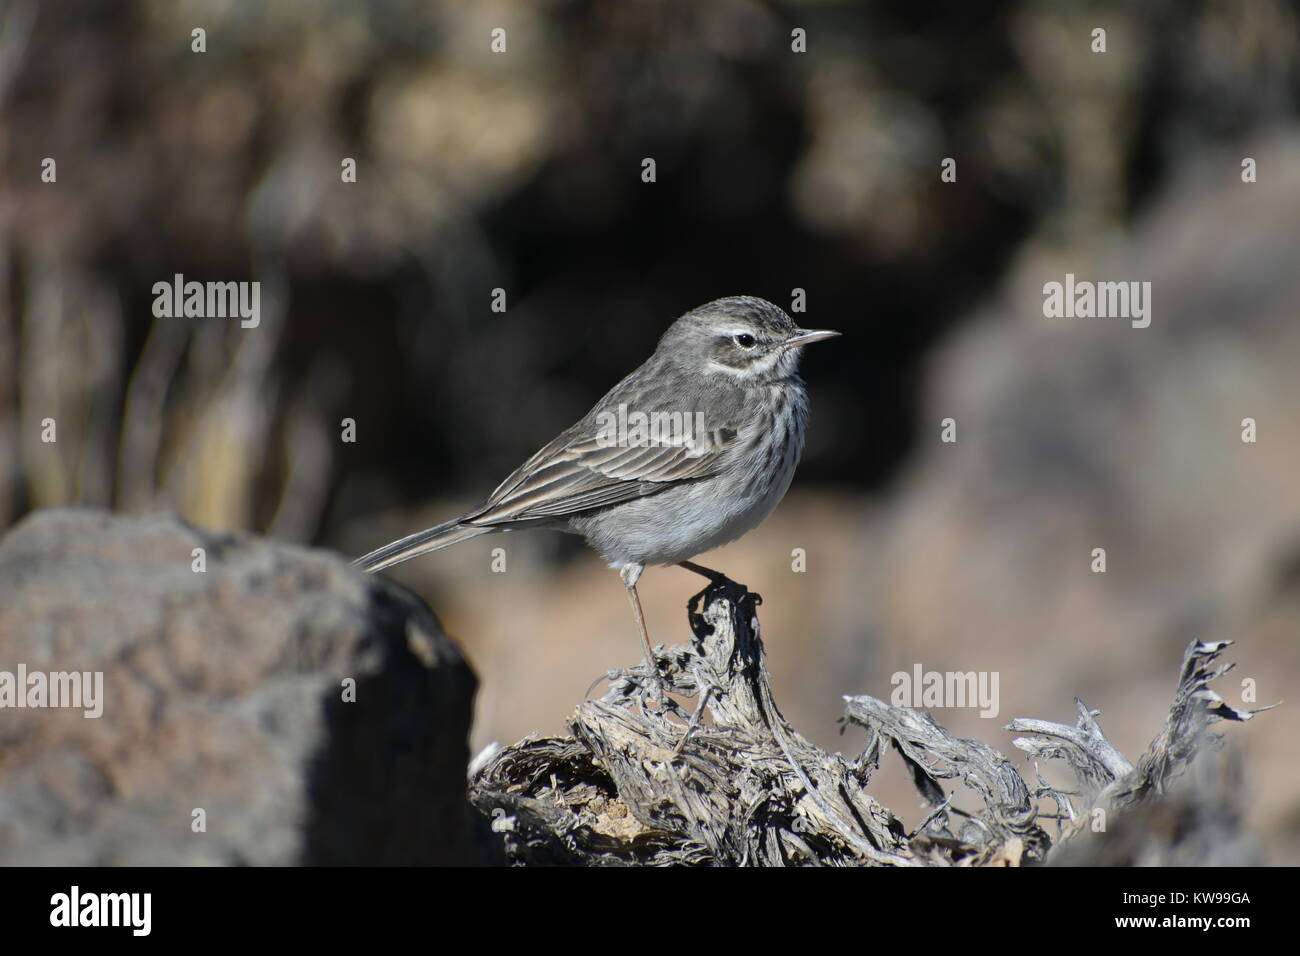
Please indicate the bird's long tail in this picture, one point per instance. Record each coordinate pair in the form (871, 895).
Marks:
(422, 542)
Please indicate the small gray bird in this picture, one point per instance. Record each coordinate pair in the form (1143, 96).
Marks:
(689, 452)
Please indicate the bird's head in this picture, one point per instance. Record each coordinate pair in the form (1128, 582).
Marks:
(747, 338)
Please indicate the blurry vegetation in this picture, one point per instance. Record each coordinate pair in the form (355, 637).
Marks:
(522, 170)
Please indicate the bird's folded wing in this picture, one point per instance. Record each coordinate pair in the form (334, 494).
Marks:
(579, 472)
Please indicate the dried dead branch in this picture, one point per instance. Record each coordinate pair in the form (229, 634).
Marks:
(642, 780)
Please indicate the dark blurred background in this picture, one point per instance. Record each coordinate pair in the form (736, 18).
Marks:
(776, 171)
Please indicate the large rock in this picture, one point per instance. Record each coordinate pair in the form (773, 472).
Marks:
(224, 691)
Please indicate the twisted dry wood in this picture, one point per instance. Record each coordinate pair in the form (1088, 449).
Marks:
(642, 781)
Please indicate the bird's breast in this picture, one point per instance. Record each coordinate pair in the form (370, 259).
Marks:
(696, 516)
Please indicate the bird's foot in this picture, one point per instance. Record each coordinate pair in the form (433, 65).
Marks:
(719, 583)
(651, 687)
(654, 690)
(715, 577)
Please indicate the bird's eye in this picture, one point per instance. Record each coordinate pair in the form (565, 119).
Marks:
(745, 340)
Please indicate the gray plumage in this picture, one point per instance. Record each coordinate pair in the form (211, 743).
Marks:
(664, 503)
(726, 372)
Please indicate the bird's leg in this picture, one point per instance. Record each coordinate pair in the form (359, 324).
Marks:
(630, 573)
(717, 577)
(640, 622)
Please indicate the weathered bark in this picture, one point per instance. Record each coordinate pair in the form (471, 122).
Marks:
(641, 781)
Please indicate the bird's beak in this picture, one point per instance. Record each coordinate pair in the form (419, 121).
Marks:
(804, 336)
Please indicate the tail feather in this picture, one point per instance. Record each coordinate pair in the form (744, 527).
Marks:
(422, 542)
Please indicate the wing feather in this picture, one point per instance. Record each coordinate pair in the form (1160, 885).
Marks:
(578, 472)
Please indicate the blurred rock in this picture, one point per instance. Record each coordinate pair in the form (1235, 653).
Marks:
(1087, 433)
(1083, 433)
(223, 691)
